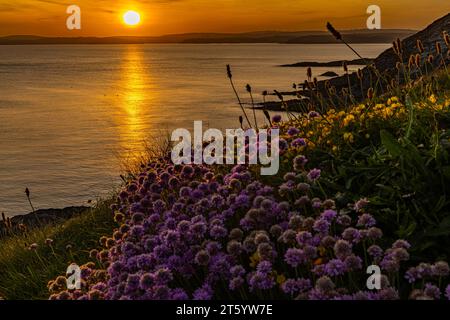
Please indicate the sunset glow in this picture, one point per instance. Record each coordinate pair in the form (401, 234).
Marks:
(105, 18)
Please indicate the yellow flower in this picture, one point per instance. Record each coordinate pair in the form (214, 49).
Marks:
(432, 98)
(254, 260)
(348, 136)
(318, 262)
(348, 119)
(281, 279)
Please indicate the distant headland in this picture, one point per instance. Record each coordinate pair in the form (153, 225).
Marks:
(295, 37)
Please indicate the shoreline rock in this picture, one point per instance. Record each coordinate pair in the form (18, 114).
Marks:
(336, 63)
(329, 74)
(41, 217)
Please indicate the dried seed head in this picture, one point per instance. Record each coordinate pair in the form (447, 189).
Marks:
(344, 65)
(309, 73)
(446, 39)
(265, 93)
(393, 83)
(370, 93)
(411, 61)
(229, 74)
(438, 47)
(418, 56)
(398, 65)
(316, 83)
(399, 45)
(333, 31)
(248, 88)
(430, 59)
(279, 95)
(420, 46)
(360, 74)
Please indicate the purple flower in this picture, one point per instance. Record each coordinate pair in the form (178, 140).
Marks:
(202, 258)
(352, 235)
(236, 283)
(335, 267)
(203, 293)
(322, 226)
(360, 204)
(329, 215)
(292, 131)
(294, 257)
(342, 249)
(276, 118)
(299, 142)
(401, 244)
(261, 281)
(314, 175)
(441, 269)
(353, 263)
(313, 114)
(264, 267)
(432, 291)
(375, 251)
(300, 162)
(366, 220)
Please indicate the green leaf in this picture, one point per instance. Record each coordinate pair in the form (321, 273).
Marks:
(390, 143)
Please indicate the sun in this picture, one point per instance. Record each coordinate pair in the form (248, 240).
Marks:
(131, 18)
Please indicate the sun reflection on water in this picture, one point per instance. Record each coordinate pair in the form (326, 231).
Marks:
(133, 128)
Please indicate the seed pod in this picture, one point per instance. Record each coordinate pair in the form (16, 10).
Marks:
(370, 93)
(344, 65)
(309, 73)
(418, 56)
(411, 61)
(229, 74)
(430, 59)
(360, 74)
(333, 31)
(438, 47)
(446, 39)
(420, 46)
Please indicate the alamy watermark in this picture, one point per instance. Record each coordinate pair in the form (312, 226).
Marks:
(374, 20)
(374, 280)
(73, 22)
(73, 276)
(251, 146)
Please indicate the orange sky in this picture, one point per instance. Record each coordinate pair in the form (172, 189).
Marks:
(103, 17)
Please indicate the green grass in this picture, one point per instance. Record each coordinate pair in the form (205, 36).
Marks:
(25, 273)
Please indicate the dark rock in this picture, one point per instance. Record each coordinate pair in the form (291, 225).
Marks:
(41, 218)
(337, 63)
(329, 74)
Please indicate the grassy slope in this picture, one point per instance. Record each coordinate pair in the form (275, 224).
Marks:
(25, 273)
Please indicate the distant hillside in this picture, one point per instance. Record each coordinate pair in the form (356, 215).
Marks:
(353, 36)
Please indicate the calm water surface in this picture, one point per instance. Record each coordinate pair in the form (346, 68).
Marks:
(71, 115)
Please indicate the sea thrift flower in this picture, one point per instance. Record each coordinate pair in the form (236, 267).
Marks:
(313, 175)
(276, 119)
(360, 204)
